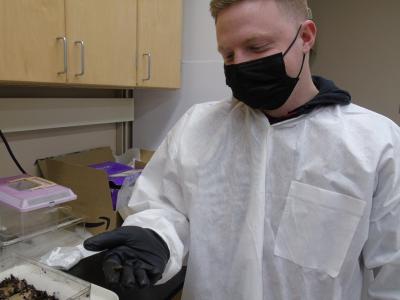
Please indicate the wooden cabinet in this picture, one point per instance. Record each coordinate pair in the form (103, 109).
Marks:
(159, 43)
(105, 43)
(102, 42)
(29, 49)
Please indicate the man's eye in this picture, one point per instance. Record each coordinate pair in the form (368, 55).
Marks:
(228, 58)
(258, 48)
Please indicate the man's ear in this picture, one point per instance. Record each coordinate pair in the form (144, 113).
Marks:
(308, 35)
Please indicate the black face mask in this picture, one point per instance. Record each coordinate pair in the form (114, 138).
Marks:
(262, 83)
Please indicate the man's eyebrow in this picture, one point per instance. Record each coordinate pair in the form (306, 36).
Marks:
(250, 40)
(257, 38)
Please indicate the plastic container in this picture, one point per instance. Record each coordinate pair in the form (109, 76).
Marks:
(54, 282)
(32, 234)
(17, 226)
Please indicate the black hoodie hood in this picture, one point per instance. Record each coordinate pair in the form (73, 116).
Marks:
(329, 94)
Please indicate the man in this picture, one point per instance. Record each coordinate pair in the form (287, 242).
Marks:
(287, 191)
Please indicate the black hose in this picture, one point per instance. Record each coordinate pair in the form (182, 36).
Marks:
(11, 153)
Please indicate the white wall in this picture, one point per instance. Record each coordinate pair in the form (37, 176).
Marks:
(358, 46)
(29, 146)
(40, 121)
(156, 111)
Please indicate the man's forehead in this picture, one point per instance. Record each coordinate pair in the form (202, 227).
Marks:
(251, 38)
(248, 21)
(260, 16)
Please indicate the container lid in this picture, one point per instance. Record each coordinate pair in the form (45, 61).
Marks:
(27, 193)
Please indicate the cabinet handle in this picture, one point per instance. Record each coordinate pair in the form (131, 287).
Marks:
(64, 39)
(82, 46)
(148, 66)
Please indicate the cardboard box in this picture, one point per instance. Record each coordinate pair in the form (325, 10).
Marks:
(144, 157)
(117, 173)
(89, 184)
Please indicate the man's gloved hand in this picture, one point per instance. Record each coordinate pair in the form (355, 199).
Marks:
(136, 256)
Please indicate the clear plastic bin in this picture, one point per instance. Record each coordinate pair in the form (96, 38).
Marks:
(54, 282)
(32, 234)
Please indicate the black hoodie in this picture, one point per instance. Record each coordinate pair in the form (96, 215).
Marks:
(329, 94)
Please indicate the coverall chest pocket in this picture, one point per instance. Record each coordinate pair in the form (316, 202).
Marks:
(317, 227)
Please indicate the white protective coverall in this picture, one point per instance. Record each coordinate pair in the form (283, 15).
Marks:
(293, 210)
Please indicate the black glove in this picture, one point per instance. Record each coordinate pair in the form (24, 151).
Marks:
(136, 256)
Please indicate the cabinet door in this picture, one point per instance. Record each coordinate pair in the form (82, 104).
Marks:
(29, 49)
(102, 48)
(159, 43)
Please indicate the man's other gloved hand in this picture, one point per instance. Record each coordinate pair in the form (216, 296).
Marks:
(136, 256)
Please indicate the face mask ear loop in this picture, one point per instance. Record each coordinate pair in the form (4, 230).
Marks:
(292, 43)
(302, 64)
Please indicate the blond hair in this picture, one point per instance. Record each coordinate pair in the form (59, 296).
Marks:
(298, 8)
